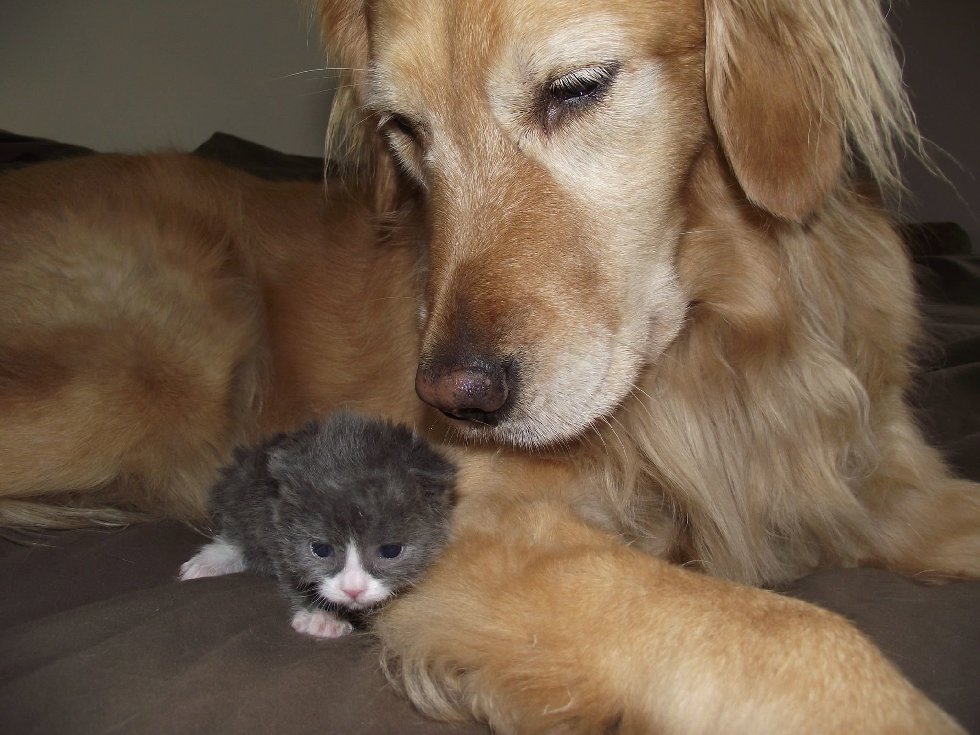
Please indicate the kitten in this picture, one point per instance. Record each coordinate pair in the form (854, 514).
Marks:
(343, 512)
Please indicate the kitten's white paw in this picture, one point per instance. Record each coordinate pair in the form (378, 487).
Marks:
(321, 624)
(217, 558)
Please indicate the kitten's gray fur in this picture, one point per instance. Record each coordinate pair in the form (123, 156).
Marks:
(343, 478)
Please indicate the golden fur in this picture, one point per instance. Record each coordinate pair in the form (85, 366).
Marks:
(709, 308)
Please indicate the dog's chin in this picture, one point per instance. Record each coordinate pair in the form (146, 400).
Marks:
(517, 433)
(540, 421)
(520, 434)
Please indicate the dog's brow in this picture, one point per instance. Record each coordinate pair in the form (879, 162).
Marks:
(599, 38)
(383, 93)
(378, 94)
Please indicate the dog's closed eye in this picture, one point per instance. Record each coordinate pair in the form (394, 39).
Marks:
(574, 91)
(399, 126)
(406, 137)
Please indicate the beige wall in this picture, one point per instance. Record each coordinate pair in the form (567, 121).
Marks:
(145, 74)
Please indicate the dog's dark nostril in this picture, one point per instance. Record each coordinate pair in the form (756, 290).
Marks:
(474, 392)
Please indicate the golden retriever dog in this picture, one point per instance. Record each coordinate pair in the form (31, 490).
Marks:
(634, 257)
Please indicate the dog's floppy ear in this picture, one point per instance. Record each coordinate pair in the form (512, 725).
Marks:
(773, 107)
(803, 93)
(352, 138)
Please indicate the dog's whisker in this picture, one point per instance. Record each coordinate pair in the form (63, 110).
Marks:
(613, 421)
(316, 70)
(315, 93)
(598, 434)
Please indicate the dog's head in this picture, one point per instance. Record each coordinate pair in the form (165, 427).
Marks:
(550, 146)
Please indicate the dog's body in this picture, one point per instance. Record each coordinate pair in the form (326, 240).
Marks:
(641, 242)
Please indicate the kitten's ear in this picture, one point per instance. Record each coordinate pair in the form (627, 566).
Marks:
(283, 462)
(287, 457)
(277, 465)
(434, 472)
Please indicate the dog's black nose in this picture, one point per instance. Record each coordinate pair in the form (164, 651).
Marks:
(476, 390)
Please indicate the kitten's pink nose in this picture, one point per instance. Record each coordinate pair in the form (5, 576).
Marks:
(353, 592)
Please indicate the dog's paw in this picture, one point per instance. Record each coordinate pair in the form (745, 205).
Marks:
(214, 560)
(320, 624)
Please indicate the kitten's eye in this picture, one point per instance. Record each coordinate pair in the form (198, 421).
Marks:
(321, 550)
(390, 551)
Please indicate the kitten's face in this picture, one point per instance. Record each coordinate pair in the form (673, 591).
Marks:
(363, 507)
(359, 575)
(358, 544)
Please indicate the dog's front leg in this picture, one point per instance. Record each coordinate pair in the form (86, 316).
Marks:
(537, 623)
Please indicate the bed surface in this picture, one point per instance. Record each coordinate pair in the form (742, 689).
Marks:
(98, 636)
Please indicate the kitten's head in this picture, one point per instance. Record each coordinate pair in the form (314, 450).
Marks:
(364, 507)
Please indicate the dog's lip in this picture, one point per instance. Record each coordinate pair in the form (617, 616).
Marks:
(479, 418)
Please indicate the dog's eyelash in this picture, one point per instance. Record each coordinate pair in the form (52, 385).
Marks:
(406, 139)
(581, 83)
(576, 90)
(400, 125)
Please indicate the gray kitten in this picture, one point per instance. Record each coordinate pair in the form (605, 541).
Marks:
(343, 512)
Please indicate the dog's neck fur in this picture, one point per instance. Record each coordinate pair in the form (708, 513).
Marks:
(723, 512)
